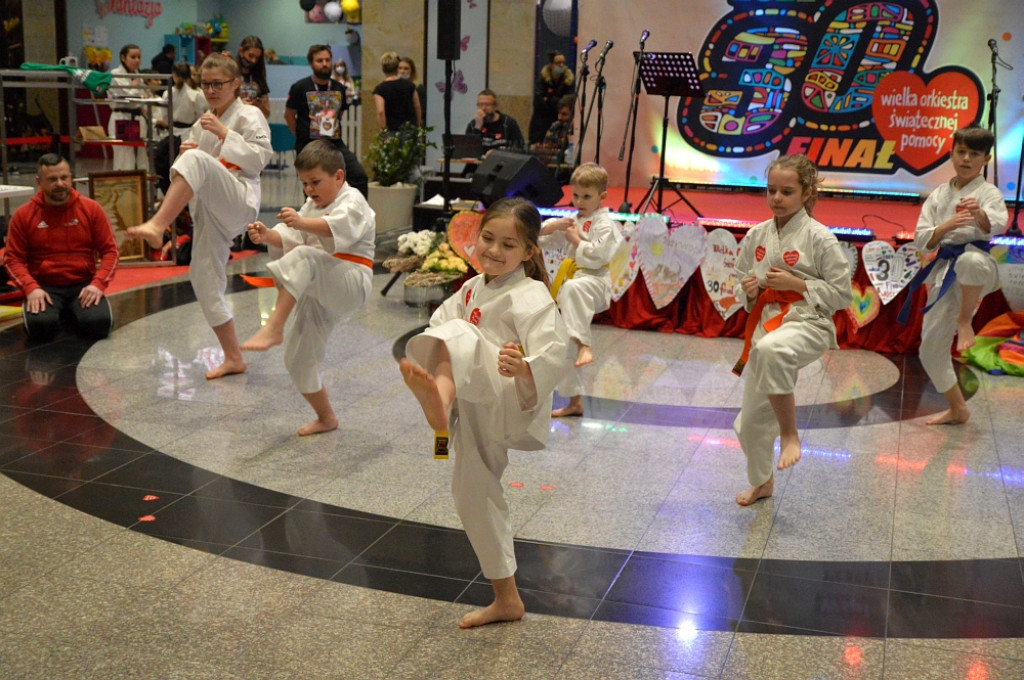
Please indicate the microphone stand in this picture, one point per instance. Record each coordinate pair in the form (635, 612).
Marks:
(581, 97)
(630, 128)
(993, 104)
(600, 87)
(590, 111)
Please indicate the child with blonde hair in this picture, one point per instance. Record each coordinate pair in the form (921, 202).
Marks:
(583, 285)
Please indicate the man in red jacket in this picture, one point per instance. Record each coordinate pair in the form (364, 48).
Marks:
(52, 246)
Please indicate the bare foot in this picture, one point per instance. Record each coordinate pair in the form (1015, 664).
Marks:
(573, 408)
(790, 454)
(227, 368)
(950, 417)
(150, 231)
(317, 426)
(493, 613)
(584, 355)
(964, 336)
(264, 339)
(424, 388)
(756, 493)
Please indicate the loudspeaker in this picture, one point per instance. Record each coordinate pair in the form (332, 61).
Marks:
(504, 173)
(449, 28)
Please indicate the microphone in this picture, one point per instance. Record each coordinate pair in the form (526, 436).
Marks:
(607, 46)
(992, 45)
(590, 45)
(643, 37)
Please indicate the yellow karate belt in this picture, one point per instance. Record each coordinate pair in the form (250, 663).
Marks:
(566, 271)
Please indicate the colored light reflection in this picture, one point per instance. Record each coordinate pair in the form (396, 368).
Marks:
(853, 655)
(617, 216)
(977, 671)
(686, 631)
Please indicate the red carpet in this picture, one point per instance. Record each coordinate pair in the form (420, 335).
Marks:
(127, 278)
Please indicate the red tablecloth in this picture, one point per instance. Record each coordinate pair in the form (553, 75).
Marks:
(692, 313)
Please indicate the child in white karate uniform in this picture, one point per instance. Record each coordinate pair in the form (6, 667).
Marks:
(217, 175)
(323, 268)
(795, 277)
(486, 367)
(583, 286)
(957, 220)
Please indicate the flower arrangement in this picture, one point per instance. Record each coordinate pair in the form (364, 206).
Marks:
(98, 58)
(428, 259)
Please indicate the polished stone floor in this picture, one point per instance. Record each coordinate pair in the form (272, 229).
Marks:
(156, 525)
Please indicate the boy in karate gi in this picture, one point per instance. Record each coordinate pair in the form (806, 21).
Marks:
(323, 268)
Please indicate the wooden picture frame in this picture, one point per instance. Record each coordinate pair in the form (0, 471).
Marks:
(122, 194)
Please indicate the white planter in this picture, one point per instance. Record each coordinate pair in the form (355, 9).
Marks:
(392, 205)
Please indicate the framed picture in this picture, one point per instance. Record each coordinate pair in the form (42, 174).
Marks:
(123, 197)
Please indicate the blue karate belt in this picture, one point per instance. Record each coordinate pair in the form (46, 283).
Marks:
(948, 252)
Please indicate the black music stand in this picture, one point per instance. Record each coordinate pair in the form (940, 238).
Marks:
(668, 74)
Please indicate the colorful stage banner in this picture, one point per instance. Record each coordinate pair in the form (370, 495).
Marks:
(871, 91)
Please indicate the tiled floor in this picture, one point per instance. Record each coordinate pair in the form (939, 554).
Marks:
(155, 525)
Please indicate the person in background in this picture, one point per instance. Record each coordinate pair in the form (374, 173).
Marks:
(53, 244)
(395, 97)
(253, 67)
(121, 88)
(164, 62)
(407, 71)
(498, 130)
(313, 111)
(342, 75)
(555, 81)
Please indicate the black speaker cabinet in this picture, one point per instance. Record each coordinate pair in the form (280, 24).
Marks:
(449, 27)
(504, 173)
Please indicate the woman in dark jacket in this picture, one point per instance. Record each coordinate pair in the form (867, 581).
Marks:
(555, 81)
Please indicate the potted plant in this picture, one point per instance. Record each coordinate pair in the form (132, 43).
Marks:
(395, 157)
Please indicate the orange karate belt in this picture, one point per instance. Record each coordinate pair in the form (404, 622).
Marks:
(768, 296)
(268, 281)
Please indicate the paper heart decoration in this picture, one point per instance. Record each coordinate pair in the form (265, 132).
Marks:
(625, 264)
(852, 254)
(463, 230)
(719, 273)
(865, 305)
(553, 258)
(668, 258)
(1010, 261)
(903, 104)
(890, 270)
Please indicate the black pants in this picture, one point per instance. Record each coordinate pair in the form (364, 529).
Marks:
(91, 322)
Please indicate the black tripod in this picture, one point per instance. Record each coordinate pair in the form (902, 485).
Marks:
(669, 74)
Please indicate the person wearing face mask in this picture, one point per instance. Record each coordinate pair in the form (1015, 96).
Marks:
(407, 71)
(395, 97)
(341, 74)
(253, 69)
(555, 81)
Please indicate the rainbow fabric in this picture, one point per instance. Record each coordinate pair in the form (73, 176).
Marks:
(999, 347)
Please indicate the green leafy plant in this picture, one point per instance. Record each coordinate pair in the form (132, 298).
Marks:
(394, 155)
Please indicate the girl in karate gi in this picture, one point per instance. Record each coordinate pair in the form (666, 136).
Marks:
(486, 367)
(583, 286)
(323, 268)
(128, 157)
(217, 175)
(795, 277)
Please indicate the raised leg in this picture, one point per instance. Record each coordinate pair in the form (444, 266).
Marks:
(152, 230)
(784, 406)
(969, 296)
(434, 392)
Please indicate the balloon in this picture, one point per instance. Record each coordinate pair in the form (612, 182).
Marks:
(307, 5)
(332, 10)
(351, 9)
(558, 17)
